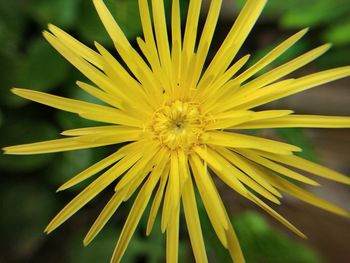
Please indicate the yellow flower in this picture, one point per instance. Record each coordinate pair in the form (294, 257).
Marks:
(180, 123)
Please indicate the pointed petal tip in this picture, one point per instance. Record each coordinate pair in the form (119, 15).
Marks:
(87, 240)
(51, 27)
(304, 31)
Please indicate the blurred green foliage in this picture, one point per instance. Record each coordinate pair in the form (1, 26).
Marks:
(28, 61)
(329, 21)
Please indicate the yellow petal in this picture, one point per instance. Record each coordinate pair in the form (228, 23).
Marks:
(235, 38)
(99, 94)
(157, 200)
(104, 216)
(172, 194)
(306, 121)
(233, 178)
(271, 56)
(104, 163)
(148, 32)
(190, 35)
(76, 106)
(206, 38)
(161, 34)
(132, 59)
(79, 48)
(276, 167)
(224, 78)
(92, 190)
(303, 195)
(274, 214)
(286, 68)
(52, 146)
(274, 92)
(193, 222)
(247, 168)
(305, 165)
(172, 237)
(136, 212)
(137, 169)
(210, 198)
(91, 72)
(236, 140)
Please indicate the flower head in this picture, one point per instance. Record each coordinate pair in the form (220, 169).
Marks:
(180, 123)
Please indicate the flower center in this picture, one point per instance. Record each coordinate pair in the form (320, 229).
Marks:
(178, 125)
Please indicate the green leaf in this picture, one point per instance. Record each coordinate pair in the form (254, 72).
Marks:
(28, 207)
(62, 12)
(298, 137)
(24, 131)
(12, 23)
(338, 34)
(12, 73)
(315, 14)
(125, 13)
(262, 243)
(46, 68)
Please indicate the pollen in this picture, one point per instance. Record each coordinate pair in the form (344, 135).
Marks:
(179, 125)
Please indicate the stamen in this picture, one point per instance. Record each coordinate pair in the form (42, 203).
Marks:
(179, 125)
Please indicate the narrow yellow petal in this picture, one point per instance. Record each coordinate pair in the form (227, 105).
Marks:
(191, 27)
(305, 121)
(244, 99)
(104, 216)
(184, 172)
(230, 119)
(276, 167)
(92, 190)
(206, 38)
(247, 167)
(52, 146)
(157, 200)
(101, 130)
(172, 194)
(110, 24)
(172, 237)
(75, 106)
(236, 140)
(193, 222)
(230, 175)
(91, 72)
(137, 168)
(303, 195)
(233, 245)
(160, 160)
(132, 59)
(115, 117)
(273, 92)
(224, 78)
(271, 56)
(176, 38)
(104, 163)
(259, 116)
(80, 49)
(274, 214)
(136, 212)
(126, 88)
(305, 165)
(286, 68)
(99, 94)
(161, 34)
(147, 26)
(210, 198)
(235, 38)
